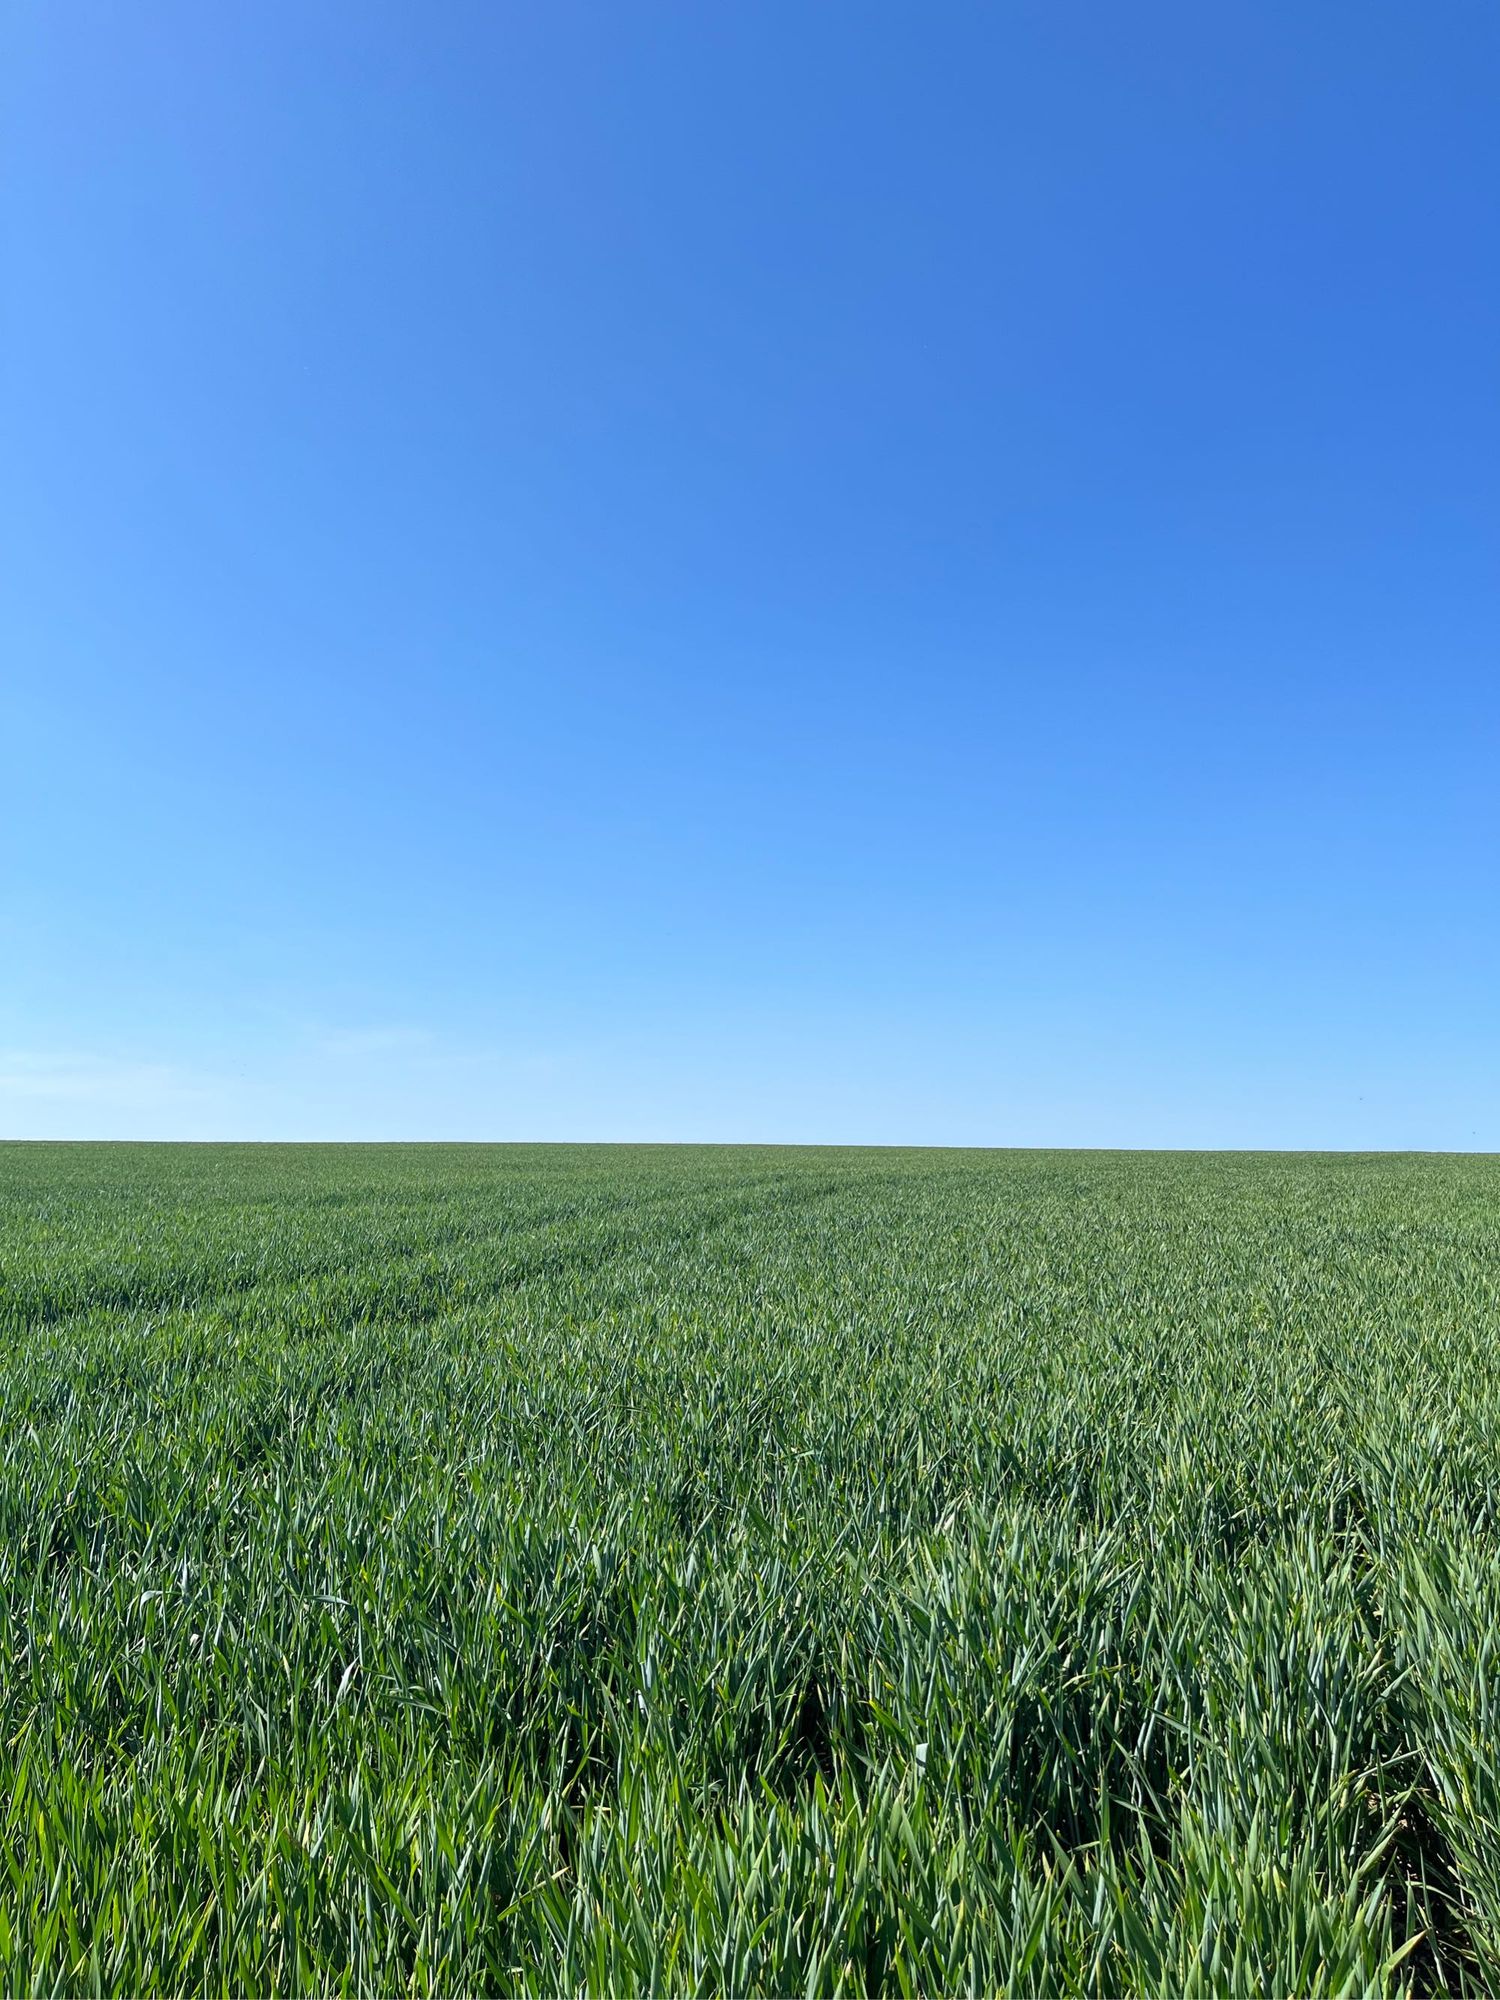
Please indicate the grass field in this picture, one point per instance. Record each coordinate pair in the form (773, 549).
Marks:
(439, 1569)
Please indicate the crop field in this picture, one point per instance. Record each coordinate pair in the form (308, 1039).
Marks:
(450, 1569)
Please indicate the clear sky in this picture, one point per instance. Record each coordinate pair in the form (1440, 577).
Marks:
(753, 571)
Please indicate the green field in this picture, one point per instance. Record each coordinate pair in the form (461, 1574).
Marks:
(448, 1568)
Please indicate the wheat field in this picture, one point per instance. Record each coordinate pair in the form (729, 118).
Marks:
(453, 1569)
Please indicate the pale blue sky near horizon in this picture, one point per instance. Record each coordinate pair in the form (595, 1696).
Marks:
(759, 572)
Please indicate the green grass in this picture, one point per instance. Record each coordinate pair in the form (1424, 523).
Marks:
(442, 1569)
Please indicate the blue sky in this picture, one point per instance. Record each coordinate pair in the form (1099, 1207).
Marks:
(840, 572)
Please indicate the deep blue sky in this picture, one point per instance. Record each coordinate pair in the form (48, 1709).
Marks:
(758, 571)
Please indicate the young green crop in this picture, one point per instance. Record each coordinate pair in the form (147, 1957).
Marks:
(446, 1569)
